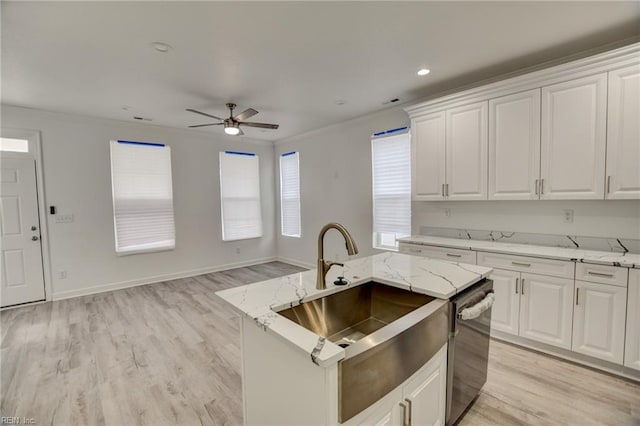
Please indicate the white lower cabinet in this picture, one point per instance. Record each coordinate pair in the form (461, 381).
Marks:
(598, 323)
(546, 309)
(506, 308)
(632, 343)
(420, 401)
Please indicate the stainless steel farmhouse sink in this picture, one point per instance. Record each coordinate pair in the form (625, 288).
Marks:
(388, 334)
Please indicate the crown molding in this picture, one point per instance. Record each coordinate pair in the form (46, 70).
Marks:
(590, 65)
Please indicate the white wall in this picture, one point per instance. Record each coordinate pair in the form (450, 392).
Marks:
(616, 218)
(335, 185)
(77, 180)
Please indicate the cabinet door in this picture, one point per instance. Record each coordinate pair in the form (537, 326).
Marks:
(546, 309)
(466, 152)
(514, 146)
(428, 154)
(506, 308)
(573, 139)
(598, 321)
(632, 342)
(623, 134)
(425, 395)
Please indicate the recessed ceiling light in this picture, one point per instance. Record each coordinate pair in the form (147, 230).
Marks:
(424, 71)
(161, 47)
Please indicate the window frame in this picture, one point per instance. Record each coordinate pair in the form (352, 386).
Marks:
(296, 154)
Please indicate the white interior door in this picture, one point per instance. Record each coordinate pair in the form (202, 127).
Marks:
(21, 274)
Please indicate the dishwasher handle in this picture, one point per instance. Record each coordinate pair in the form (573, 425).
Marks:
(476, 310)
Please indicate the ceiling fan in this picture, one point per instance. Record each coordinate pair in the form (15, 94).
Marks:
(232, 124)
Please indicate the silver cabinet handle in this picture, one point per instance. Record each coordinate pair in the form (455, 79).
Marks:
(598, 274)
(521, 264)
(446, 189)
(453, 255)
(577, 296)
(522, 287)
(541, 186)
(443, 189)
(34, 238)
(405, 422)
(517, 279)
(608, 184)
(409, 410)
(535, 187)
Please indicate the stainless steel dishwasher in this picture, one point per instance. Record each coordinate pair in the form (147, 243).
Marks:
(468, 352)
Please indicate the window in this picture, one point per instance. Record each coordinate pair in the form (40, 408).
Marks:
(142, 197)
(240, 196)
(391, 158)
(14, 145)
(290, 194)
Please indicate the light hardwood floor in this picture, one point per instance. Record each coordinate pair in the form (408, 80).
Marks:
(168, 354)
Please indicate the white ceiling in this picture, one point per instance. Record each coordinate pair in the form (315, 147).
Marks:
(291, 61)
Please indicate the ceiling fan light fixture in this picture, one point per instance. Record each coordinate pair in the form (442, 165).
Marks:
(231, 129)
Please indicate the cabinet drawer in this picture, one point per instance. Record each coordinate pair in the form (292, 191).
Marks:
(604, 274)
(534, 265)
(440, 253)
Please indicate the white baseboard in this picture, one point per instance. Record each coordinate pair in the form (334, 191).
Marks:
(295, 262)
(154, 279)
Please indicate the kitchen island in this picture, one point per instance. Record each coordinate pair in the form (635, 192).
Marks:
(290, 373)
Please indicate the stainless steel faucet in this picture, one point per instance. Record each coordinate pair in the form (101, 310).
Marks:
(323, 266)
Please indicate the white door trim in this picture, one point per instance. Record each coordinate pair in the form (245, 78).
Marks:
(35, 152)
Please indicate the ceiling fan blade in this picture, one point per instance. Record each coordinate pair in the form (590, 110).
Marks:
(240, 133)
(204, 125)
(260, 125)
(205, 114)
(250, 112)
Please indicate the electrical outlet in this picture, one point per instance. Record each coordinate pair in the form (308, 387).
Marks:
(568, 216)
(64, 218)
(62, 275)
(447, 212)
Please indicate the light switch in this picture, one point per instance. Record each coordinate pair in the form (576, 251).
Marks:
(64, 218)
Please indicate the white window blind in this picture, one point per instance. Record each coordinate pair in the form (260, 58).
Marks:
(391, 158)
(142, 197)
(240, 196)
(290, 194)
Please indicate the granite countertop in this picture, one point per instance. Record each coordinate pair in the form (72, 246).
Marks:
(628, 260)
(261, 301)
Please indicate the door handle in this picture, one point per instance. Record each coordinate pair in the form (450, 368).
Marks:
(409, 410)
(34, 238)
(34, 228)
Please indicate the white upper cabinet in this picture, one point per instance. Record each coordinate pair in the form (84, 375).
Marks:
(623, 134)
(428, 146)
(573, 139)
(466, 152)
(514, 146)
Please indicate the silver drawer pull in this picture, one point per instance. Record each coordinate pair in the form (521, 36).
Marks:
(521, 264)
(598, 274)
(454, 255)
